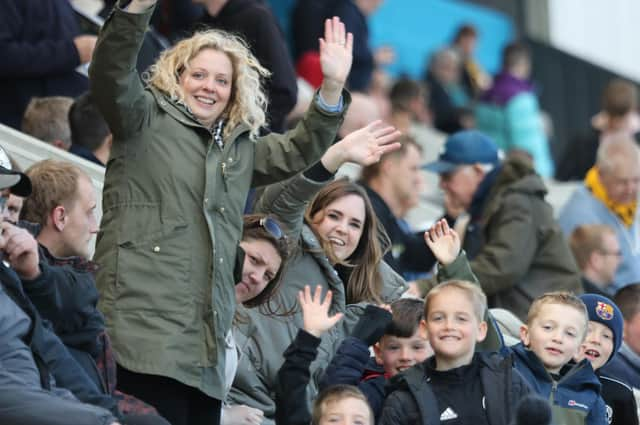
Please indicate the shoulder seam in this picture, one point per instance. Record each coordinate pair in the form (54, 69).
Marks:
(617, 381)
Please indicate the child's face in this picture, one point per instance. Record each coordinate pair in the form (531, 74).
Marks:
(453, 328)
(396, 354)
(597, 346)
(555, 335)
(347, 411)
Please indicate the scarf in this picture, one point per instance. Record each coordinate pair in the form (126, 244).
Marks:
(625, 212)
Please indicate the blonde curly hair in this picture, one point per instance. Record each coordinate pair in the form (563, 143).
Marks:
(248, 100)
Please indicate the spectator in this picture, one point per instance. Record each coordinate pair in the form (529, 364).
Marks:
(14, 207)
(337, 246)
(597, 252)
(399, 342)
(603, 340)
(508, 216)
(509, 111)
(255, 23)
(41, 47)
(447, 98)
(90, 135)
(61, 213)
(46, 119)
(618, 117)
(610, 196)
(408, 104)
(625, 366)
(394, 185)
(455, 383)
(474, 79)
(185, 153)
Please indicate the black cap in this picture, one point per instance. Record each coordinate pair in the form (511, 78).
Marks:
(18, 183)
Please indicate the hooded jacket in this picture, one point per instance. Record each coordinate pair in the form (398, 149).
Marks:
(523, 253)
(575, 397)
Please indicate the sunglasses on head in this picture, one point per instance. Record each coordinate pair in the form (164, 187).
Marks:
(272, 227)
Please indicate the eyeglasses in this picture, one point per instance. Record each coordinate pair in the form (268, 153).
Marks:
(611, 253)
(272, 227)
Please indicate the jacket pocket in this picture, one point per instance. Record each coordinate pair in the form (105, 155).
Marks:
(154, 270)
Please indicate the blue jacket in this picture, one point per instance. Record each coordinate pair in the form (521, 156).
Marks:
(575, 396)
(353, 365)
(38, 54)
(583, 208)
(51, 354)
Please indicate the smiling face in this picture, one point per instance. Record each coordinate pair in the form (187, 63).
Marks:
(597, 346)
(555, 334)
(396, 354)
(261, 265)
(341, 224)
(206, 85)
(453, 328)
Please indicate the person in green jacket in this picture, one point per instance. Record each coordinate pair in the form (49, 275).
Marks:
(185, 152)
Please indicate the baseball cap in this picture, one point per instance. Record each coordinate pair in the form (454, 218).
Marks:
(465, 148)
(18, 183)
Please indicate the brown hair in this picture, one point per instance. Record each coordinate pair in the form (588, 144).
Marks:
(619, 97)
(586, 239)
(365, 281)
(466, 30)
(54, 183)
(628, 301)
(253, 229)
(371, 171)
(336, 393)
(407, 314)
(474, 294)
(558, 297)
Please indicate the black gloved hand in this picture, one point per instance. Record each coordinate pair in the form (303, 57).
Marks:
(239, 265)
(372, 325)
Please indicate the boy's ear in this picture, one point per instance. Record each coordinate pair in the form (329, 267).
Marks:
(524, 335)
(482, 331)
(422, 327)
(377, 351)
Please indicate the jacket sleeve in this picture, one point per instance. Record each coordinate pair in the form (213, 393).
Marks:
(288, 200)
(113, 80)
(66, 298)
(293, 378)
(348, 364)
(512, 231)
(32, 58)
(395, 409)
(31, 406)
(280, 156)
(598, 414)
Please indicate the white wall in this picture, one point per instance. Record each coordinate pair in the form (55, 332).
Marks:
(605, 32)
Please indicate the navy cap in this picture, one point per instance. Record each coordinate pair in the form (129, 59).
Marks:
(465, 148)
(603, 310)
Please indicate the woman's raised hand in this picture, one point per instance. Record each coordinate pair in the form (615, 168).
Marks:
(335, 59)
(364, 146)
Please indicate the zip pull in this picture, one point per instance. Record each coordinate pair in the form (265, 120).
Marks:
(224, 176)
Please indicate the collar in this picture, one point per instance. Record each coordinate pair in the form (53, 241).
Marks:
(481, 195)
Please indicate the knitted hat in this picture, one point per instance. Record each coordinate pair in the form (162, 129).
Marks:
(603, 310)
